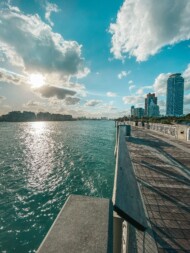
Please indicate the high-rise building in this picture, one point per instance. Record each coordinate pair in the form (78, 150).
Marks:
(175, 93)
(132, 111)
(151, 107)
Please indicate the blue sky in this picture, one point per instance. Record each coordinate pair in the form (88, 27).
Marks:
(91, 58)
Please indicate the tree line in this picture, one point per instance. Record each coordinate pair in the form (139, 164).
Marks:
(25, 116)
(162, 120)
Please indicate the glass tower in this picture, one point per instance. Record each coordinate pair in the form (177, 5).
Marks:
(175, 93)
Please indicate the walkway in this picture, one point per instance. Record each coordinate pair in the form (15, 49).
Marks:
(162, 168)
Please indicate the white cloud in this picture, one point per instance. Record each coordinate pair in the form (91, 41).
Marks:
(93, 102)
(111, 94)
(49, 7)
(187, 99)
(131, 87)
(130, 82)
(142, 90)
(29, 46)
(48, 90)
(186, 76)
(142, 28)
(107, 107)
(32, 103)
(11, 77)
(8, 57)
(37, 46)
(133, 100)
(160, 84)
(123, 74)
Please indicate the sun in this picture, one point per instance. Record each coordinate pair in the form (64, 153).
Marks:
(36, 80)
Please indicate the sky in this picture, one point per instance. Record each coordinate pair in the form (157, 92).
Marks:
(92, 58)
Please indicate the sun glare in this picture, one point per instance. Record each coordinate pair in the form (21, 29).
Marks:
(36, 80)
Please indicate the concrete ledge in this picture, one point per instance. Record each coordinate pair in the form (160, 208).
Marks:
(84, 225)
(126, 196)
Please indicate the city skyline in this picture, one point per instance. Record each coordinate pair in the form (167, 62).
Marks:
(90, 59)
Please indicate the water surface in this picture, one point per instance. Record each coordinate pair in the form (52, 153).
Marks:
(41, 164)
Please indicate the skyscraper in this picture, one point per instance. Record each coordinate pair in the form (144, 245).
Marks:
(175, 93)
(151, 107)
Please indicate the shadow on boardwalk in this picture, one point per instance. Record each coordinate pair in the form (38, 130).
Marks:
(164, 182)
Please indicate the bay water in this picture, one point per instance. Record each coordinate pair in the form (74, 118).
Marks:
(41, 164)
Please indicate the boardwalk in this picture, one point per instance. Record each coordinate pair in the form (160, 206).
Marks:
(162, 168)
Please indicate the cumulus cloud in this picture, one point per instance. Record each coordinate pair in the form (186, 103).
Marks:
(32, 103)
(142, 28)
(187, 99)
(49, 7)
(130, 82)
(142, 90)
(123, 74)
(109, 107)
(133, 100)
(72, 100)
(46, 91)
(93, 102)
(111, 94)
(160, 84)
(8, 57)
(186, 76)
(37, 46)
(53, 91)
(11, 77)
(131, 87)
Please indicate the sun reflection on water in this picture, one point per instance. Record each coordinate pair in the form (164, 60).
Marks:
(39, 127)
(39, 154)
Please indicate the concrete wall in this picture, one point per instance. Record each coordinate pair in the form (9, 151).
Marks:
(170, 130)
(180, 132)
(183, 132)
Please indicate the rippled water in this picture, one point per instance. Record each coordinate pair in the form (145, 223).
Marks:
(41, 164)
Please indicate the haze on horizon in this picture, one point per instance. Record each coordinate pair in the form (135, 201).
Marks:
(91, 59)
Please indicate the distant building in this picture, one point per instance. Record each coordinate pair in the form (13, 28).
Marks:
(151, 107)
(132, 111)
(137, 112)
(175, 93)
(153, 110)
